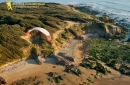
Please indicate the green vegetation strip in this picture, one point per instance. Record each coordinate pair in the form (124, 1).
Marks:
(114, 54)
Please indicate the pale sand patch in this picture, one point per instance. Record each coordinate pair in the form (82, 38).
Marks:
(26, 37)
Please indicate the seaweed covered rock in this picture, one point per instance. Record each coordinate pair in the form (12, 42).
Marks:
(58, 79)
(27, 81)
(92, 63)
(55, 77)
(73, 69)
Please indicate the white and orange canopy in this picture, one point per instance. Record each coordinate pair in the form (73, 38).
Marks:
(43, 31)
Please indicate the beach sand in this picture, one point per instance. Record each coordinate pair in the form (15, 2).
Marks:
(29, 68)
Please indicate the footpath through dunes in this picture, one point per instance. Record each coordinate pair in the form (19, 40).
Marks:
(68, 24)
(68, 49)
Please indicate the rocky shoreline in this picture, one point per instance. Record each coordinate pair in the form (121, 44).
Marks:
(100, 13)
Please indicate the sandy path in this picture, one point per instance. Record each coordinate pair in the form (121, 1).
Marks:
(69, 25)
(69, 48)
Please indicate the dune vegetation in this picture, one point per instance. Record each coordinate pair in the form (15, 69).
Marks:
(14, 24)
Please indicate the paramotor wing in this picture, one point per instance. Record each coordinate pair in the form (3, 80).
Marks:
(42, 30)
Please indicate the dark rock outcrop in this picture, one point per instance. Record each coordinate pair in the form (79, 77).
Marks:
(106, 19)
(87, 9)
(2, 80)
